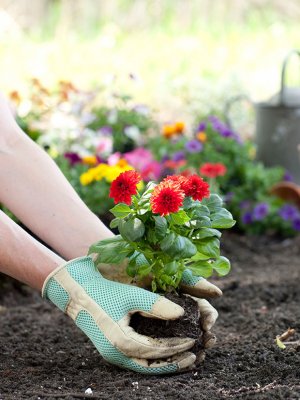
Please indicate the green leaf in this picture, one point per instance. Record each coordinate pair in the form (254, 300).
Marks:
(201, 268)
(144, 270)
(187, 203)
(131, 269)
(209, 247)
(114, 223)
(121, 210)
(171, 268)
(151, 236)
(167, 242)
(214, 202)
(200, 211)
(161, 227)
(180, 218)
(200, 256)
(222, 219)
(207, 232)
(110, 252)
(222, 266)
(280, 344)
(178, 247)
(202, 222)
(132, 230)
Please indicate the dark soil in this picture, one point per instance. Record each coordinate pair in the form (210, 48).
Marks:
(44, 356)
(187, 326)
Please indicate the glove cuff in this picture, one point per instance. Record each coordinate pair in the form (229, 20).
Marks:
(56, 270)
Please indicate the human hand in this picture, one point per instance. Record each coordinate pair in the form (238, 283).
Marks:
(102, 310)
(200, 289)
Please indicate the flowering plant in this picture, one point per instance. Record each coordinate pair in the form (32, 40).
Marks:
(170, 227)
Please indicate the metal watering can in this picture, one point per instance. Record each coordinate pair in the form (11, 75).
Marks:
(278, 126)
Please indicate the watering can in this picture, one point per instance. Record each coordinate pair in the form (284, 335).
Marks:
(278, 126)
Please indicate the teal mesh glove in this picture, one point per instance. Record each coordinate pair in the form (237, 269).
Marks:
(102, 310)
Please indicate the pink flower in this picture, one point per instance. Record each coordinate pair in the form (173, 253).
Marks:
(151, 171)
(138, 158)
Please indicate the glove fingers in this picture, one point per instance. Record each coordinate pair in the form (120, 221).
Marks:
(179, 362)
(141, 346)
(208, 314)
(163, 309)
(202, 288)
(209, 340)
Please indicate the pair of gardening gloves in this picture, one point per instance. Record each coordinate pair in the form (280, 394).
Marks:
(102, 309)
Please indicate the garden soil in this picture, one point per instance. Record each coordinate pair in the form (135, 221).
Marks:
(44, 356)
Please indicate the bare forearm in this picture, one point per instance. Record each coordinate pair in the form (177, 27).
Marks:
(22, 257)
(35, 190)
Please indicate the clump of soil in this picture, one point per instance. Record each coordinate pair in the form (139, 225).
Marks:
(186, 326)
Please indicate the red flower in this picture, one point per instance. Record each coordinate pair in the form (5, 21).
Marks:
(176, 179)
(124, 186)
(196, 187)
(166, 198)
(213, 170)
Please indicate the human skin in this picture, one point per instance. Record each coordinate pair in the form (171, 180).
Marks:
(35, 190)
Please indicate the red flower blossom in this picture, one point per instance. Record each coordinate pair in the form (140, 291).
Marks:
(176, 179)
(196, 187)
(174, 164)
(213, 170)
(166, 198)
(124, 186)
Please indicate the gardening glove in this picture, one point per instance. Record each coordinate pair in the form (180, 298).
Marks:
(102, 310)
(200, 289)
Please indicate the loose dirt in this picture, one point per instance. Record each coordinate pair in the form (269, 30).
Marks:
(44, 356)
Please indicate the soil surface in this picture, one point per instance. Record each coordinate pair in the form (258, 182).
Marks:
(44, 356)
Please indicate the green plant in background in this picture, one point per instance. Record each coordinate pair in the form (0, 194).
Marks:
(128, 126)
(244, 184)
(170, 228)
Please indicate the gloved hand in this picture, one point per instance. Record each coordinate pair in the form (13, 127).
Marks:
(195, 286)
(102, 310)
(200, 289)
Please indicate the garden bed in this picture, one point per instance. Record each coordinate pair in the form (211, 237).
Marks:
(44, 356)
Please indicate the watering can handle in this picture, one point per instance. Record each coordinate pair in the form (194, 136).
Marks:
(284, 65)
(230, 102)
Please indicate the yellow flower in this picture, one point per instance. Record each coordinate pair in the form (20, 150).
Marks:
(168, 131)
(86, 178)
(179, 127)
(90, 160)
(99, 172)
(122, 163)
(202, 137)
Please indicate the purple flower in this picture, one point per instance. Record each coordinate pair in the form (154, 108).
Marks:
(73, 158)
(201, 126)
(260, 211)
(288, 177)
(288, 212)
(178, 156)
(296, 224)
(193, 146)
(247, 218)
(105, 130)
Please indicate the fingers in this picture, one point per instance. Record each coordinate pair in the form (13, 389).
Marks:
(164, 309)
(208, 314)
(140, 346)
(179, 362)
(202, 288)
(209, 340)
